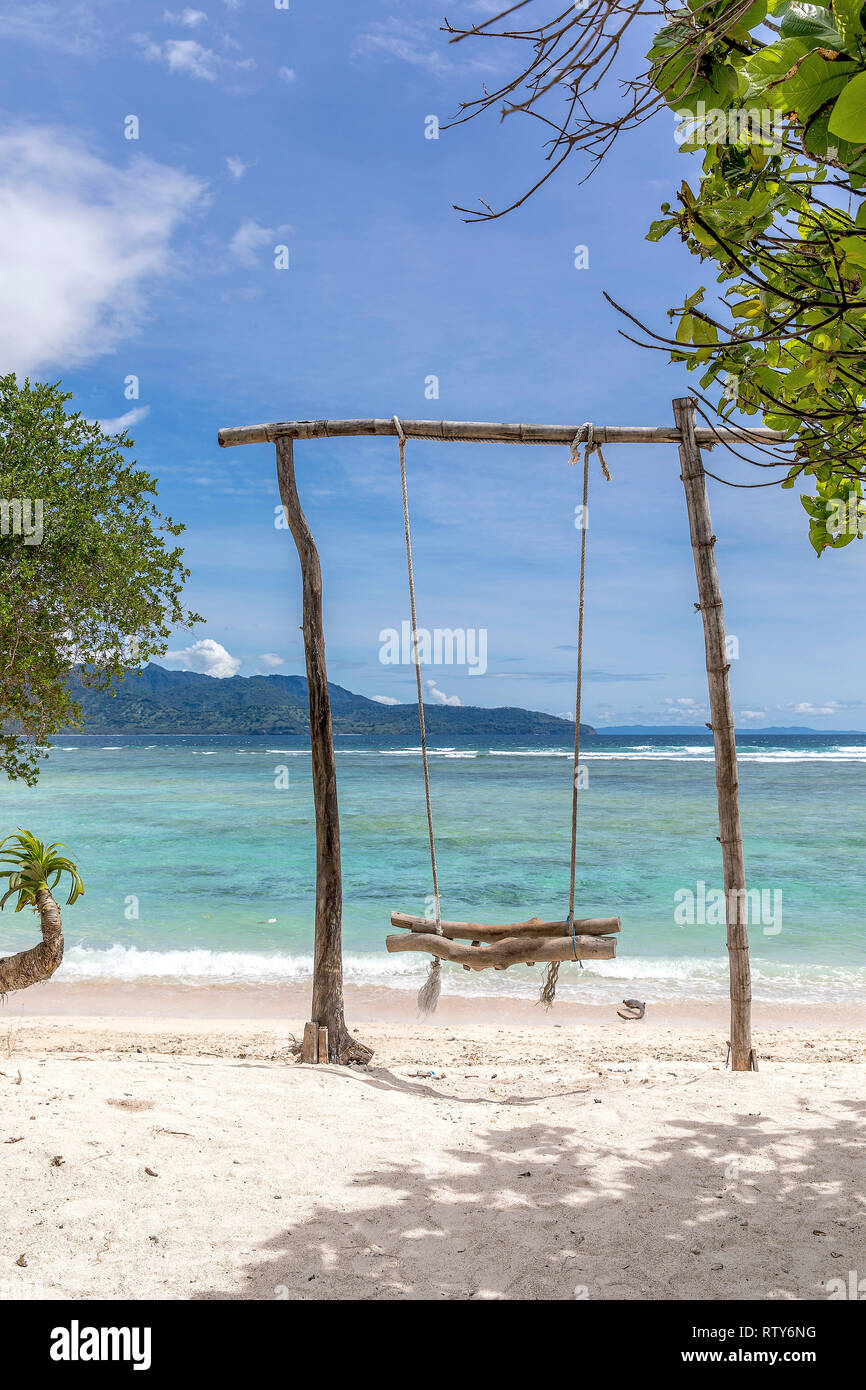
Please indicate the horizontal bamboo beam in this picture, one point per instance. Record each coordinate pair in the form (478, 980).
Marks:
(473, 431)
(478, 931)
(513, 950)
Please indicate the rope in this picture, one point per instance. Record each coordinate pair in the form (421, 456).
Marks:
(428, 995)
(586, 435)
(583, 436)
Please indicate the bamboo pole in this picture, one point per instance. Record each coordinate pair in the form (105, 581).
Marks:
(328, 951)
(722, 725)
(468, 431)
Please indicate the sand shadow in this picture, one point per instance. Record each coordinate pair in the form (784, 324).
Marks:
(713, 1210)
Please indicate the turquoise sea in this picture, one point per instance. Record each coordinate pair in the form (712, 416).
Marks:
(198, 858)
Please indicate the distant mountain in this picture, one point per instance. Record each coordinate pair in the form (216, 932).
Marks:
(702, 729)
(184, 702)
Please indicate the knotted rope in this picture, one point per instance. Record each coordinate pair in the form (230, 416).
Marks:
(428, 995)
(586, 435)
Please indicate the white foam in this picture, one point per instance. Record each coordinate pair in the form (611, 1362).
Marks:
(653, 978)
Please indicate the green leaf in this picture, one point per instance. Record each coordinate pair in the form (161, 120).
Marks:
(816, 82)
(703, 332)
(753, 16)
(811, 21)
(849, 21)
(660, 228)
(853, 248)
(772, 63)
(815, 506)
(848, 117)
(819, 536)
(818, 141)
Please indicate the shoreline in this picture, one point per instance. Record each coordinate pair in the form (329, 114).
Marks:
(249, 1004)
(547, 1053)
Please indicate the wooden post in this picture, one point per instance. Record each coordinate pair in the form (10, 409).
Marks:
(327, 1009)
(722, 725)
(310, 1049)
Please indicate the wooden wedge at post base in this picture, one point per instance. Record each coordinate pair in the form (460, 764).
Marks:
(534, 927)
(511, 950)
(310, 1050)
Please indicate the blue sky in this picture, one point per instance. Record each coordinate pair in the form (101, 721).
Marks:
(154, 258)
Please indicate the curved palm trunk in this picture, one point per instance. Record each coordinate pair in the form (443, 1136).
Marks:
(40, 962)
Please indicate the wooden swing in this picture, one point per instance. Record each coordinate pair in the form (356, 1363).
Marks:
(511, 943)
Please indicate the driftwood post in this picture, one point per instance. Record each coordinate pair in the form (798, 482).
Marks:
(327, 952)
(722, 725)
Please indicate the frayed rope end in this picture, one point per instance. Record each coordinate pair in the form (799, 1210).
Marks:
(428, 994)
(548, 989)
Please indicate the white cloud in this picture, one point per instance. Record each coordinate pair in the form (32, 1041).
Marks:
(384, 699)
(421, 45)
(287, 75)
(271, 659)
(752, 714)
(439, 697)
(236, 166)
(189, 58)
(123, 422)
(407, 40)
(208, 657)
(80, 239)
(829, 707)
(249, 239)
(64, 28)
(682, 708)
(189, 18)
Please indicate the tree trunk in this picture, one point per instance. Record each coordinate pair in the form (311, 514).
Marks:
(40, 962)
(328, 952)
(722, 725)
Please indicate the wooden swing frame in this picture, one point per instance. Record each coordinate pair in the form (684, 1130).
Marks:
(326, 1037)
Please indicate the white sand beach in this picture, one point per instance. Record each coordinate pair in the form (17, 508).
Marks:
(181, 1158)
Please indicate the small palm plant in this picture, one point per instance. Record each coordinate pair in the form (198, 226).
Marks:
(34, 870)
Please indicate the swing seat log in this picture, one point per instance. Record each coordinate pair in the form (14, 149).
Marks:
(534, 927)
(509, 950)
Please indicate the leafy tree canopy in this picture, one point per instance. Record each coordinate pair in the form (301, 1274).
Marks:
(772, 95)
(90, 581)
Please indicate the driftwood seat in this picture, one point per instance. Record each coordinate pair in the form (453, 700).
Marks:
(511, 943)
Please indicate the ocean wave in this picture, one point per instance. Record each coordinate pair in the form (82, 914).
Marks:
(659, 979)
(416, 752)
(532, 753)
